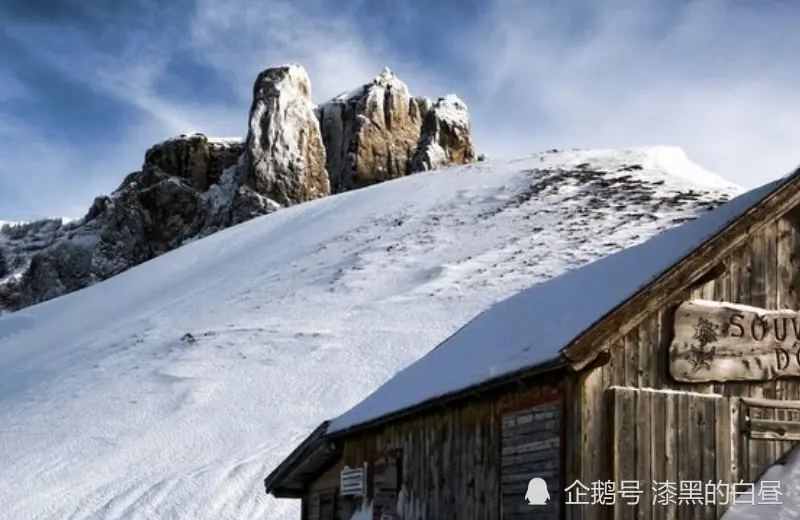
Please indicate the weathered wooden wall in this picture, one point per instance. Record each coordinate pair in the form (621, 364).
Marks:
(678, 437)
(764, 272)
(448, 461)
(325, 488)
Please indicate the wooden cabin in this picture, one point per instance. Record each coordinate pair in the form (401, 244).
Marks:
(629, 385)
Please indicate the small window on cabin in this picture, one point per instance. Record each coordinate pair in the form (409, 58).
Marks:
(327, 507)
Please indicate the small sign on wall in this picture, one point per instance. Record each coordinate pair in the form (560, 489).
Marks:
(353, 481)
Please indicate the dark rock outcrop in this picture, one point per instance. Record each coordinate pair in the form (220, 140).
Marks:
(152, 212)
(195, 158)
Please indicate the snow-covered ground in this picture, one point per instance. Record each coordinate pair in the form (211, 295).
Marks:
(776, 496)
(173, 389)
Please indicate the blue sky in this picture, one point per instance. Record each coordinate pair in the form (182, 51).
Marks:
(87, 86)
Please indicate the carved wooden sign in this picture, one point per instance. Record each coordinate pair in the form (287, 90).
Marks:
(719, 342)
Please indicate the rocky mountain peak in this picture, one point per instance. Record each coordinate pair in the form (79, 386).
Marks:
(445, 136)
(372, 134)
(284, 154)
(193, 185)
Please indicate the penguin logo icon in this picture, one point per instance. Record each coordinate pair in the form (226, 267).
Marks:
(537, 494)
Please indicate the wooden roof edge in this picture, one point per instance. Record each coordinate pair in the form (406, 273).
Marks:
(273, 481)
(545, 367)
(619, 321)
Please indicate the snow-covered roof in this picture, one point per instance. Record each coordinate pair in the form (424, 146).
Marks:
(531, 327)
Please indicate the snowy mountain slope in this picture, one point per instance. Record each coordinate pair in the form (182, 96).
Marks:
(172, 389)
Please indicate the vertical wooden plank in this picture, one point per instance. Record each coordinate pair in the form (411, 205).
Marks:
(746, 281)
(645, 354)
(724, 471)
(683, 451)
(772, 287)
(784, 248)
(493, 430)
(485, 481)
(794, 262)
(574, 435)
(744, 448)
(624, 460)
(708, 473)
(722, 285)
(429, 476)
(693, 448)
(631, 354)
(671, 452)
(619, 362)
(666, 323)
(616, 412)
(735, 274)
(595, 408)
(462, 453)
(485, 484)
(658, 458)
(447, 467)
(643, 473)
(770, 265)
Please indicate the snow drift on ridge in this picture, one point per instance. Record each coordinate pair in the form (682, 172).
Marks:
(172, 389)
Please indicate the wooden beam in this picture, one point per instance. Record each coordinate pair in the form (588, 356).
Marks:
(710, 275)
(769, 429)
(757, 402)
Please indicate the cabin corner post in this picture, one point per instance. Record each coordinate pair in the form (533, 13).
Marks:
(572, 435)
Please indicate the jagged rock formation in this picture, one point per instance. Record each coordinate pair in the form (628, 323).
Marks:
(445, 137)
(191, 186)
(372, 134)
(284, 155)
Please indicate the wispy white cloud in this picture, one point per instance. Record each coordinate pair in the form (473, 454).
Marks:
(44, 177)
(715, 77)
(712, 77)
(241, 38)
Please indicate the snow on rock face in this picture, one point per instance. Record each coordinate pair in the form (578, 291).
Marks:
(371, 133)
(284, 155)
(195, 157)
(445, 138)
